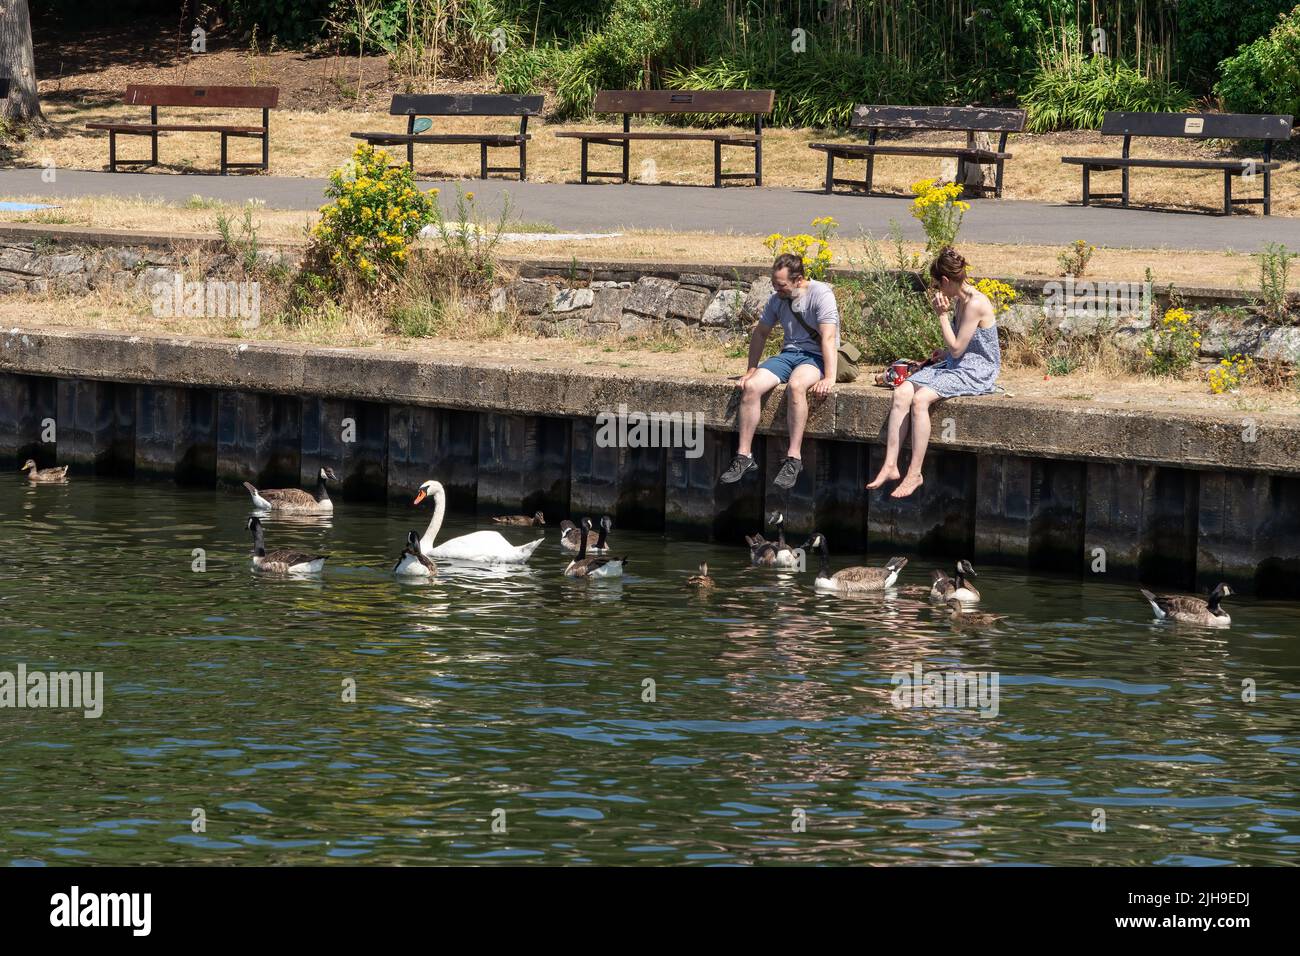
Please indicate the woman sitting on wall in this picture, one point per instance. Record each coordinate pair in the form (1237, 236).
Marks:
(974, 358)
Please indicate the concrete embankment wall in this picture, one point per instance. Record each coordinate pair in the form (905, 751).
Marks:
(1172, 499)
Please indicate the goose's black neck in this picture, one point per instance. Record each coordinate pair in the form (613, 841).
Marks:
(600, 541)
(826, 560)
(322, 493)
(259, 542)
(582, 543)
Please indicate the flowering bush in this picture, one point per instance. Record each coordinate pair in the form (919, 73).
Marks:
(815, 251)
(940, 211)
(1173, 344)
(1074, 260)
(377, 213)
(999, 293)
(1230, 373)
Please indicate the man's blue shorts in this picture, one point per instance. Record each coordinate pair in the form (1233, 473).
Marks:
(783, 364)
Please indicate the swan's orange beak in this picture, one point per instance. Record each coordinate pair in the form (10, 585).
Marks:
(418, 498)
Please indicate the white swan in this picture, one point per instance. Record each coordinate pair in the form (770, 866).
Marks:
(481, 547)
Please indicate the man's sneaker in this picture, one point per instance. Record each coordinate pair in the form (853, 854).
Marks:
(740, 466)
(789, 473)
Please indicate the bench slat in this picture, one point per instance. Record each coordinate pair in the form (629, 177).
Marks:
(469, 104)
(614, 134)
(866, 149)
(977, 118)
(446, 138)
(1118, 161)
(228, 97)
(684, 101)
(173, 128)
(1198, 125)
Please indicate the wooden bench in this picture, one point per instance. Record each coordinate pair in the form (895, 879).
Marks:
(967, 119)
(756, 103)
(1188, 126)
(412, 106)
(222, 97)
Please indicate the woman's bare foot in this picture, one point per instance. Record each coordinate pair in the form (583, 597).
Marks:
(907, 486)
(885, 474)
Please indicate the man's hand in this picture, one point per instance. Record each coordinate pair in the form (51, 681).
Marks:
(822, 387)
(746, 377)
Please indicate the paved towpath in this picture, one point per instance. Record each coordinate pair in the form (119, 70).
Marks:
(570, 207)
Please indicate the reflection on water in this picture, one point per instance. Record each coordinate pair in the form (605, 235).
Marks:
(523, 690)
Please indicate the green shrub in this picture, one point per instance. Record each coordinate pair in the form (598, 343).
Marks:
(883, 311)
(1075, 92)
(376, 213)
(1264, 76)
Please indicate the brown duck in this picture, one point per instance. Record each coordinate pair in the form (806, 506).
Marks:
(538, 520)
(44, 475)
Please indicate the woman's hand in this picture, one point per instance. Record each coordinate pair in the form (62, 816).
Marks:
(939, 302)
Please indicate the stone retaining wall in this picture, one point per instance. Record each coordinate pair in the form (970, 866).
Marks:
(594, 299)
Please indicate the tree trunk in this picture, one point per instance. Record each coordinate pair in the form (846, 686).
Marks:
(975, 175)
(18, 64)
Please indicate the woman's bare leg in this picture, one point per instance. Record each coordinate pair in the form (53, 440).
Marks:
(893, 434)
(921, 402)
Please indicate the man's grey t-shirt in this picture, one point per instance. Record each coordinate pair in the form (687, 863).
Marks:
(817, 303)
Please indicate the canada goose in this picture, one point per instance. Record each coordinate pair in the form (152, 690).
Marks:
(412, 561)
(295, 499)
(585, 567)
(772, 554)
(571, 536)
(964, 618)
(847, 580)
(1191, 610)
(481, 547)
(538, 520)
(958, 587)
(701, 580)
(44, 475)
(281, 561)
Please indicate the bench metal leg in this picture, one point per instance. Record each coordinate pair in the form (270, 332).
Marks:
(717, 164)
(410, 157)
(997, 189)
(223, 154)
(523, 160)
(482, 160)
(1227, 192)
(1124, 173)
(627, 157)
(153, 161)
(758, 161)
(871, 172)
(584, 162)
(1268, 192)
(830, 171)
(1087, 184)
(266, 151)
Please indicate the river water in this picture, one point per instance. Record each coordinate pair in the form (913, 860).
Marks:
(508, 717)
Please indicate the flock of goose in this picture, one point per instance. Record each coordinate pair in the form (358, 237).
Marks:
(593, 560)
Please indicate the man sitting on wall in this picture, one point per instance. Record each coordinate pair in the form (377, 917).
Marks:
(810, 322)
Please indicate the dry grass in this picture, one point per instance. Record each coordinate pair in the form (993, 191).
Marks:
(309, 143)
